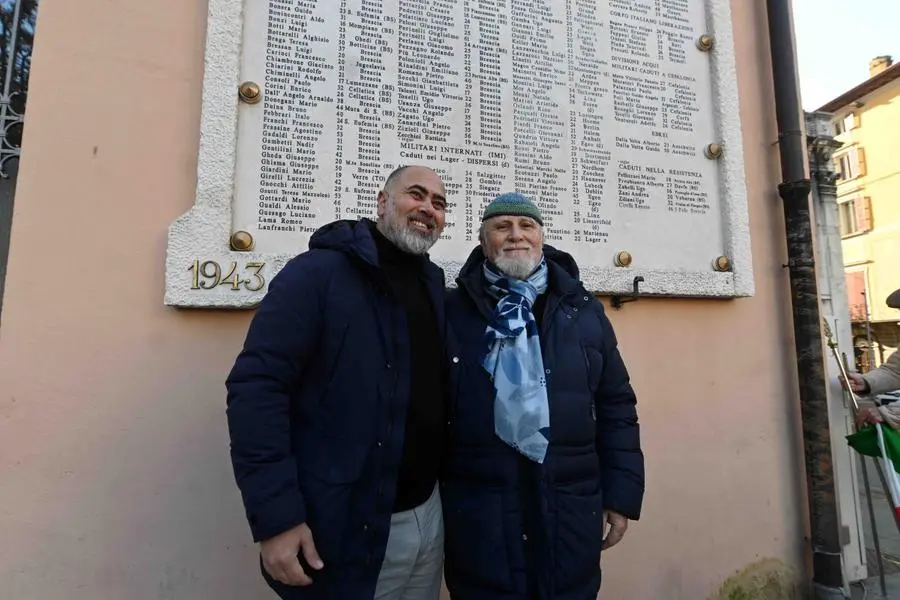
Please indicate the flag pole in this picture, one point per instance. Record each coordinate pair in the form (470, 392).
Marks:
(832, 344)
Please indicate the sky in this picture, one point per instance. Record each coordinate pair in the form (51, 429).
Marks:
(836, 39)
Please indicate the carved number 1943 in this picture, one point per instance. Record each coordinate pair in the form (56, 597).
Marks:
(209, 274)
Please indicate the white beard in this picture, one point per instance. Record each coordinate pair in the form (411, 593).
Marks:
(517, 268)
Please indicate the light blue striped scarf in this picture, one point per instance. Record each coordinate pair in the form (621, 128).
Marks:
(521, 409)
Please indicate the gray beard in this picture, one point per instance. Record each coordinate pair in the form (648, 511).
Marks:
(402, 236)
(517, 268)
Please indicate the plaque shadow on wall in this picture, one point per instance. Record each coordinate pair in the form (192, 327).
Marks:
(620, 118)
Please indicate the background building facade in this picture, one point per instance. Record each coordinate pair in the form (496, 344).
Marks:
(867, 122)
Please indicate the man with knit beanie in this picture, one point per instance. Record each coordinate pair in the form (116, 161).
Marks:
(544, 447)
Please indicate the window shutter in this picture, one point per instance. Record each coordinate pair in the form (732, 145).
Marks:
(856, 120)
(856, 285)
(863, 208)
(848, 122)
(861, 158)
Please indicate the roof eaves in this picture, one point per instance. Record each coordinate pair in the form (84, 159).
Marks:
(866, 87)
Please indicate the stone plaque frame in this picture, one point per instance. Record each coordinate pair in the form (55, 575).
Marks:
(199, 241)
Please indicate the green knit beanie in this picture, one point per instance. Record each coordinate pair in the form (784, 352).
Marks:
(512, 203)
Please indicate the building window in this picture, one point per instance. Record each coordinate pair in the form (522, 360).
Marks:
(850, 164)
(855, 213)
(848, 123)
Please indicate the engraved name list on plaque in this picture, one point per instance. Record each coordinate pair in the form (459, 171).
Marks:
(620, 118)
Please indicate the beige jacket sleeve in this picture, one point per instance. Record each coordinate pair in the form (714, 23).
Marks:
(891, 415)
(885, 378)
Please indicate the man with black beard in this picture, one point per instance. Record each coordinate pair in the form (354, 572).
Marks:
(336, 407)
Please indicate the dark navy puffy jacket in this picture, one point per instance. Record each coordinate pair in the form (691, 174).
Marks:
(516, 530)
(317, 402)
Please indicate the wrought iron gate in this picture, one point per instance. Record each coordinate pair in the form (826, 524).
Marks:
(18, 19)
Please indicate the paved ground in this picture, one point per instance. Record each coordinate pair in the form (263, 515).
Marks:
(870, 589)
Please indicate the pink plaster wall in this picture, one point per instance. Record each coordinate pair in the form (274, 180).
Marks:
(114, 473)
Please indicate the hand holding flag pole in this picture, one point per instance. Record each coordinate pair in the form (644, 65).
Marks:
(893, 491)
(888, 441)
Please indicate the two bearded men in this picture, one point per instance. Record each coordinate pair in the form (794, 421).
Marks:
(386, 431)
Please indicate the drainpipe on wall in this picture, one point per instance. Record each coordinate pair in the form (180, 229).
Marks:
(794, 191)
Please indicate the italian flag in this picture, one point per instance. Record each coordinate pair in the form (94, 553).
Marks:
(880, 441)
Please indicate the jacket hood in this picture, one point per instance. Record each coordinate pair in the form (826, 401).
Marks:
(347, 236)
(562, 260)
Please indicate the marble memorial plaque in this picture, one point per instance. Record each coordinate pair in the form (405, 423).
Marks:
(603, 111)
